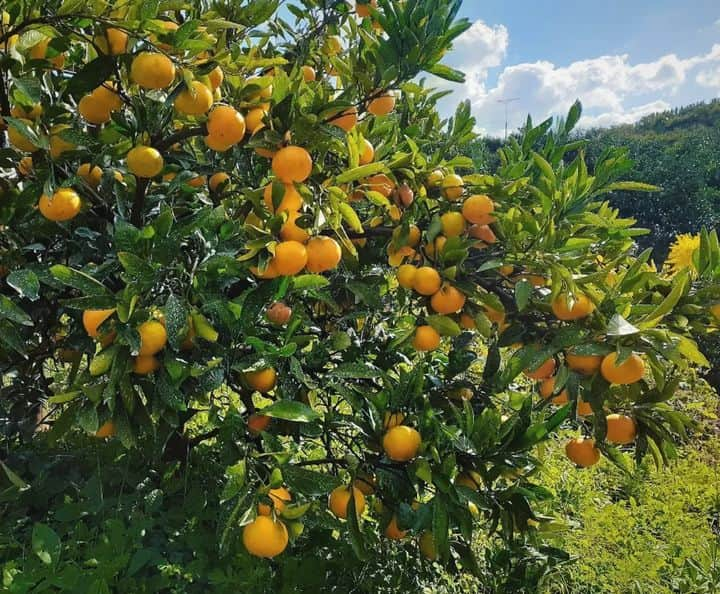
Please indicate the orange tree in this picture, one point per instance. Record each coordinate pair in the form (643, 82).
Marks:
(242, 272)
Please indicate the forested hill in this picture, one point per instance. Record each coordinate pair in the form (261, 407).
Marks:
(679, 151)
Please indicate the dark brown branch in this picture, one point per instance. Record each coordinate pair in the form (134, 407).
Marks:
(141, 185)
(179, 136)
(321, 461)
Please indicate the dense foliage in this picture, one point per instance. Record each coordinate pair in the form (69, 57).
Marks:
(249, 281)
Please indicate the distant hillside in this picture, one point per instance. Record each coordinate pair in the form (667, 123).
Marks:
(679, 151)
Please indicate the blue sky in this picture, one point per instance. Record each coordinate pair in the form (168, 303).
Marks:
(624, 59)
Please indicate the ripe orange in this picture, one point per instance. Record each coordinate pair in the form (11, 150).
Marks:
(582, 451)
(392, 530)
(546, 389)
(153, 337)
(584, 409)
(346, 120)
(452, 186)
(406, 276)
(362, 9)
(544, 371)
(25, 166)
(308, 73)
(196, 100)
(380, 183)
(412, 238)
(279, 313)
(218, 180)
(145, 161)
(290, 257)
(447, 300)
(292, 164)
(428, 548)
(427, 281)
(340, 498)
(621, 429)
(382, 105)
(365, 483)
(216, 76)
(581, 308)
(632, 370)
(58, 145)
(27, 113)
(291, 200)
(93, 110)
(117, 41)
(584, 364)
(404, 195)
(435, 178)
(453, 224)
(39, 52)
(265, 537)
(152, 70)
(258, 423)
(145, 364)
(226, 127)
(91, 174)
(107, 95)
(467, 321)
(484, 233)
(197, 182)
(63, 206)
(280, 497)
(476, 209)
(434, 249)
(401, 443)
(19, 141)
(262, 380)
(290, 231)
(254, 119)
(367, 152)
(107, 429)
(323, 254)
(93, 318)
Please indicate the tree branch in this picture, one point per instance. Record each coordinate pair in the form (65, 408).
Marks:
(141, 185)
(165, 143)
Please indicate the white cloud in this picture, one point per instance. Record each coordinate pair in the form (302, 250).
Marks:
(612, 88)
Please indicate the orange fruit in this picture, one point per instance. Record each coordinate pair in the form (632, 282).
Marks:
(362, 9)
(145, 364)
(27, 113)
(453, 224)
(280, 497)
(92, 174)
(406, 275)
(365, 483)
(290, 257)
(435, 178)
(308, 73)
(447, 300)
(401, 443)
(217, 180)
(632, 370)
(39, 52)
(467, 321)
(427, 281)
(93, 318)
(323, 254)
(477, 209)
(279, 313)
(254, 119)
(380, 183)
(196, 100)
(584, 364)
(291, 200)
(434, 249)
(25, 166)
(117, 41)
(226, 127)
(292, 164)
(582, 451)
(412, 238)
(107, 429)
(581, 308)
(144, 161)
(452, 186)
(63, 206)
(542, 372)
(151, 70)
(258, 423)
(339, 499)
(197, 182)
(584, 409)
(621, 429)
(153, 337)
(107, 95)
(346, 120)
(93, 110)
(19, 141)
(392, 530)
(367, 152)
(262, 380)
(426, 338)
(290, 231)
(484, 233)
(405, 195)
(546, 389)
(382, 105)
(216, 77)
(265, 537)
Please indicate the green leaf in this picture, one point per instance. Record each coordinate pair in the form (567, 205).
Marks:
(356, 537)
(235, 480)
(13, 477)
(350, 217)
(523, 291)
(309, 482)
(84, 283)
(444, 325)
(46, 544)
(619, 326)
(290, 410)
(359, 172)
(305, 282)
(447, 73)
(25, 282)
(91, 75)
(12, 312)
(679, 284)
